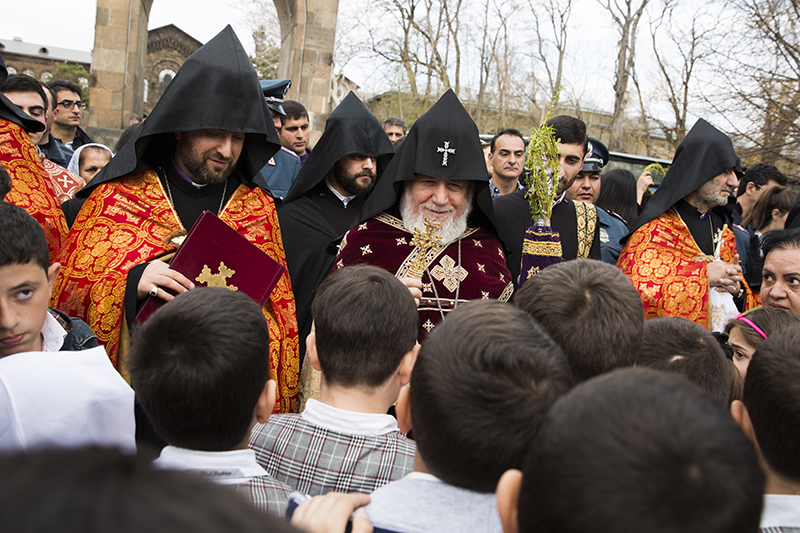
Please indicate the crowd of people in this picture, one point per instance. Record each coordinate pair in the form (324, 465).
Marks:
(431, 356)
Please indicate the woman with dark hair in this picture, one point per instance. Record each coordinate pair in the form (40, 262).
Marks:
(769, 214)
(618, 194)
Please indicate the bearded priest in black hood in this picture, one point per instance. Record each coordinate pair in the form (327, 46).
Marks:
(681, 254)
(327, 195)
(438, 176)
(208, 136)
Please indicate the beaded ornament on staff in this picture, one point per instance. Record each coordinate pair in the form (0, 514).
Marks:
(542, 245)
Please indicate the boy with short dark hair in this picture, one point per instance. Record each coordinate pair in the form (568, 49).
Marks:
(26, 278)
(635, 450)
(592, 312)
(364, 344)
(678, 345)
(483, 382)
(200, 368)
(770, 417)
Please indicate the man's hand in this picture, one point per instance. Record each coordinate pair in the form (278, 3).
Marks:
(414, 287)
(724, 275)
(158, 274)
(642, 183)
(330, 513)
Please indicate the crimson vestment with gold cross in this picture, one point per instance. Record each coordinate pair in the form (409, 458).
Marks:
(473, 267)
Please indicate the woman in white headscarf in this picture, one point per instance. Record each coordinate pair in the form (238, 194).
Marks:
(89, 159)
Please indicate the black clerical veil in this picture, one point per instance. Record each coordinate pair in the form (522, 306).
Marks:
(704, 154)
(216, 88)
(443, 143)
(351, 128)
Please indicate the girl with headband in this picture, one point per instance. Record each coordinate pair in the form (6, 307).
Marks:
(747, 331)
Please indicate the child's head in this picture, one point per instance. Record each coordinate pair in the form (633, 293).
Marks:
(636, 450)
(26, 279)
(365, 323)
(482, 383)
(591, 310)
(772, 398)
(684, 347)
(200, 367)
(748, 331)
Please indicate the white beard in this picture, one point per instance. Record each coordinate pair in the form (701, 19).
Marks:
(450, 229)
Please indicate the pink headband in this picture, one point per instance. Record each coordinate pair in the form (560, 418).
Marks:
(750, 323)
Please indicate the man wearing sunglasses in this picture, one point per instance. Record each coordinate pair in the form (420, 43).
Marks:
(68, 115)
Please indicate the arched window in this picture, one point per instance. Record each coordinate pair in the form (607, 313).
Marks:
(12, 70)
(47, 76)
(146, 89)
(83, 82)
(165, 76)
(29, 72)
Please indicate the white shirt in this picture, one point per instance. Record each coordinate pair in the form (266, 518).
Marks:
(344, 199)
(780, 510)
(348, 422)
(224, 468)
(64, 399)
(53, 334)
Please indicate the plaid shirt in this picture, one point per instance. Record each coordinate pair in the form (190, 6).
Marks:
(314, 460)
(266, 494)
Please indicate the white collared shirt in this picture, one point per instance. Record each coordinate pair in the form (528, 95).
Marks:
(347, 422)
(344, 199)
(53, 334)
(780, 510)
(224, 468)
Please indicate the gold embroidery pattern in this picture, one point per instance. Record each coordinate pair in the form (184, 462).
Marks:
(541, 248)
(449, 273)
(586, 218)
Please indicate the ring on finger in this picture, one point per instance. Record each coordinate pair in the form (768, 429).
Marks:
(154, 291)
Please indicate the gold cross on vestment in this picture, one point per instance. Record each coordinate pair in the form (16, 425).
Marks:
(423, 241)
(449, 273)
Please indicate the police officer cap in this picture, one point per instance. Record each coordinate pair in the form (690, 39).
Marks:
(274, 91)
(597, 157)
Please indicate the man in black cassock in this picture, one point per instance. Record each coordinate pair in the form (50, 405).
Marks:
(575, 222)
(326, 197)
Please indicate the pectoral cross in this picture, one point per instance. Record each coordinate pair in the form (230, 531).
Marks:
(445, 152)
(423, 241)
(718, 242)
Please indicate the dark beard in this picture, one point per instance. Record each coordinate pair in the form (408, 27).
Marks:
(199, 169)
(347, 180)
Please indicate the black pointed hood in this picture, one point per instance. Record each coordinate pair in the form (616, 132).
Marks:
(704, 154)
(443, 143)
(11, 112)
(351, 128)
(216, 88)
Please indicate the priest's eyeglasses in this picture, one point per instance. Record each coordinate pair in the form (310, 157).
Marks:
(69, 104)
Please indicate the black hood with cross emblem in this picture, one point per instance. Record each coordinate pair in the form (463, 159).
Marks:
(443, 143)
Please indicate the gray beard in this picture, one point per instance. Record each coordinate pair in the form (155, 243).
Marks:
(450, 230)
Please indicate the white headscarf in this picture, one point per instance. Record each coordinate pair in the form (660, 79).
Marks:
(74, 165)
(64, 399)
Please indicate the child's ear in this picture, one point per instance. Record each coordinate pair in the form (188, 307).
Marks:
(266, 402)
(52, 275)
(311, 351)
(507, 495)
(407, 364)
(403, 410)
(742, 417)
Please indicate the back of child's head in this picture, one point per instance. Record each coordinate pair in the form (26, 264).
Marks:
(772, 398)
(591, 310)
(682, 346)
(199, 365)
(365, 321)
(23, 239)
(95, 489)
(640, 450)
(481, 385)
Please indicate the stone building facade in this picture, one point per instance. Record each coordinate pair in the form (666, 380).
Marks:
(167, 48)
(39, 61)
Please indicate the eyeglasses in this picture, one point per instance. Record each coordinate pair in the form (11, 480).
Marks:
(69, 104)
